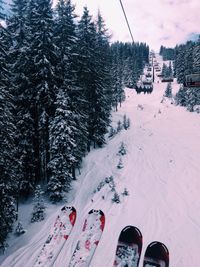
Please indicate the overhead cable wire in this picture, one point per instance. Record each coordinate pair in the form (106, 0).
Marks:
(126, 20)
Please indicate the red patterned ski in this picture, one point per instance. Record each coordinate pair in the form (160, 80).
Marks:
(89, 239)
(59, 233)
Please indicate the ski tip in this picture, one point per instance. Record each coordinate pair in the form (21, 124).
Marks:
(131, 234)
(71, 208)
(132, 229)
(157, 251)
(96, 211)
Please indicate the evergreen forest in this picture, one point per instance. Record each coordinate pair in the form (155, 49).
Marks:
(187, 61)
(60, 78)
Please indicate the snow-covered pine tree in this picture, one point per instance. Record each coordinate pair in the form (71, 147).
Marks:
(125, 192)
(7, 212)
(168, 91)
(164, 71)
(62, 145)
(7, 127)
(196, 57)
(86, 40)
(8, 165)
(120, 164)
(193, 98)
(66, 41)
(43, 77)
(122, 149)
(116, 198)
(188, 58)
(19, 62)
(180, 97)
(131, 69)
(112, 132)
(39, 207)
(102, 101)
(19, 230)
(128, 123)
(2, 15)
(180, 63)
(90, 80)
(119, 126)
(117, 74)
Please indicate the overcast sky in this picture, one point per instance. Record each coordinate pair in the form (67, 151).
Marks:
(155, 22)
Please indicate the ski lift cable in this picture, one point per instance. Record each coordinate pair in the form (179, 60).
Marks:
(126, 20)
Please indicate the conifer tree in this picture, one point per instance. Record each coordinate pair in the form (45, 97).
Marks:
(181, 97)
(39, 207)
(120, 164)
(20, 65)
(8, 164)
(87, 72)
(168, 91)
(7, 212)
(117, 75)
(66, 41)
(2, 16)
(43, 78)
(102, 101)
(180, 63)
(19, 230)
(196, 57)
(62, 145)
(119, 126)
(188, 58)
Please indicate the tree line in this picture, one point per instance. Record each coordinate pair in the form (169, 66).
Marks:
(167, 53)
(59, 79)
(187, 61)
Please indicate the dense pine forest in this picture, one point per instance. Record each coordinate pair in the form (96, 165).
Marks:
(186, 60)
(60, 78)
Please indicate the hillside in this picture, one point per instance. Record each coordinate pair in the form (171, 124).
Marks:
(161, 172)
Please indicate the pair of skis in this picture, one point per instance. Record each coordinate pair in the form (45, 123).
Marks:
(86, 245)
(129, 250)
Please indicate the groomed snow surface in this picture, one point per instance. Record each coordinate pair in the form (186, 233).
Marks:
(162, 174)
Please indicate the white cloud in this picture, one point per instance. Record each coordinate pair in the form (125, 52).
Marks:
(155, 22)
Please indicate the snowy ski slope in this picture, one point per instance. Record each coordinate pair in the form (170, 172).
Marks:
(162, 174)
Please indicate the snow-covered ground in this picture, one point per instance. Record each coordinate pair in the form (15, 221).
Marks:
(162, 174)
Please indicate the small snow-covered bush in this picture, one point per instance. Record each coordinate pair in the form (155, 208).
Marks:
(20, 229)
(125, 193)
(55, 190)
(108, 180)
(39, 207)
(196, 108)
(126, 122)
(140, 107)
(119, 126)
(120, 164)
(112, 132)
(168, 91)
(116, 198)
(122, 149)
